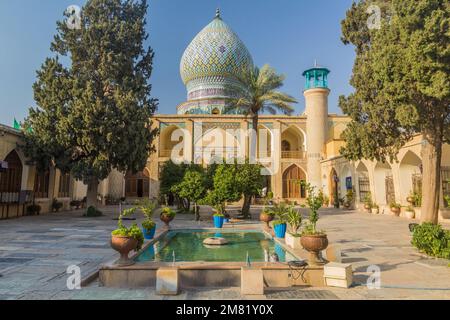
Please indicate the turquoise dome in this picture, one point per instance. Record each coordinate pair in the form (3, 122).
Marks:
(214, 61)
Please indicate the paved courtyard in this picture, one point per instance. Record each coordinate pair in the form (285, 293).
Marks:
(36, 251)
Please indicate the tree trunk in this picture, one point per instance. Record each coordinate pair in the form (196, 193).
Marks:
(431, 180)
(254, 142)
(196, 211)
(91, 196)
(246, 206)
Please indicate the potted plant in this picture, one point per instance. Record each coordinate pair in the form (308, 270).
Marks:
(167, 215)
(294, 220)
(326, 201)
(33, 209)
(75, 204)
(279, 227)
(368, 202)
(395, 208)
(56, 205)
(218, 219)
(124, 239)
(266, 216)
(375, 209)
(348, 199)
(148, 225)
(409, 212)
(417, 199)
(312, 240)
(410, 199)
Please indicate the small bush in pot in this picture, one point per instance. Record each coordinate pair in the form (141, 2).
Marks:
(218, 219)
(148, 208)
(312, 240)
(75, 204)
(33, 209)
(395, 208)
(279, 228)
(266, 216)
(56, 205)
(368, 202)
(167, 215)
(375, 209)
(124, 239)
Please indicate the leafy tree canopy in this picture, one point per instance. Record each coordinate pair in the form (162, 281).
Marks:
(93, 115)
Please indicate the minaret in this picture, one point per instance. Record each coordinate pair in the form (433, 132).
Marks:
(316, 95)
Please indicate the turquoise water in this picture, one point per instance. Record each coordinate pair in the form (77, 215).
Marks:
(188, 246)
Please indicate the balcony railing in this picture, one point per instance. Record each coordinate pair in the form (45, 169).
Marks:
(293, 154)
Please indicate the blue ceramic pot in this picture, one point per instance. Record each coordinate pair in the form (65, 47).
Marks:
(280, 230)
(218, 221)
(149, 234)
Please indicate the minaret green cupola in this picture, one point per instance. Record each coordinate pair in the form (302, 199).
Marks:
(316, 78)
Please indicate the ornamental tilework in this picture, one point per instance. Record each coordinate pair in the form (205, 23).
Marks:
(215, 60)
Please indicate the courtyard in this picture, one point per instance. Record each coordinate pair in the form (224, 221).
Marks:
(35, 253)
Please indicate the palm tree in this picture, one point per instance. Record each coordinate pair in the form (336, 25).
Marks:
(261, 95)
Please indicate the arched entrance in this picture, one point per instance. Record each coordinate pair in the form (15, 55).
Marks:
(363, 182)
(384, 184)
(11, 178)
(410, 176)
(291, 183)
(137, 185)
(333, 183)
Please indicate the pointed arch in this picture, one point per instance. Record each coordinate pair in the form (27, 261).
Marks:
(410, 174)
(137, 185)
(291, 182)
(11, 178)
(333, 183)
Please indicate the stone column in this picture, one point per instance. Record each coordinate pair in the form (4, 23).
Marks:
(316, 124)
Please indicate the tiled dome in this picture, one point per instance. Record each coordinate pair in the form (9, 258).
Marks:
(216, 59)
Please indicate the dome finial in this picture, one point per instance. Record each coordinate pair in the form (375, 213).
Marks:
(218, 13)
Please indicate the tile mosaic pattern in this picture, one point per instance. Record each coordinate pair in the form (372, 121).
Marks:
(215, 51)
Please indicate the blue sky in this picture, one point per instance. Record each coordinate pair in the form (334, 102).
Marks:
(287, 34)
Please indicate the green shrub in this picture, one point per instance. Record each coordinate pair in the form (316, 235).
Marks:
(148, 224)
(432, 240)
(132, 232)
(218, 215)
(168, 212)
(93, 212)
(277, 222)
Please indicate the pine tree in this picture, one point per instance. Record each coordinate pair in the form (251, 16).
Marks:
(93, 113)
(401, 78)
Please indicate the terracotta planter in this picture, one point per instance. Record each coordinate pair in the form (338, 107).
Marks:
(410, 214)
(410, 200)
(166, 219)
(264, 217)
(396, 211)
(375, 210)
(367, 207)
(314, 244)
(124, 245)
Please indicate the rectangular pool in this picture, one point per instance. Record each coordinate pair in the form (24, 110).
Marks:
(188, 246)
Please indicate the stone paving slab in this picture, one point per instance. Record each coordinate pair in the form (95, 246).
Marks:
(38, 250)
